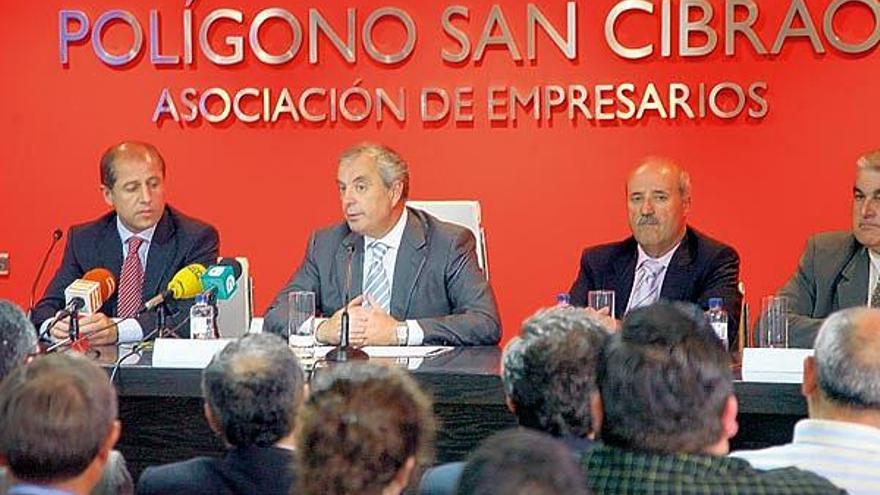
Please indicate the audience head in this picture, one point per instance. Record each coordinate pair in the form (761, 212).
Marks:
(550, 372)
(253, 389)
(866, 192)
(666, 384)
(373, 183)
(521, 462)
(844, 372)
(658, 195)
(133, 183)
(18, 338)
(59, 422)
(363, 428)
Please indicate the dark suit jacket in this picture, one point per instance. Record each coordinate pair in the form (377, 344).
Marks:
(436, 281)
(178, 241)
(832, 274)
(701, 268)
(247, 470)
(443, 479)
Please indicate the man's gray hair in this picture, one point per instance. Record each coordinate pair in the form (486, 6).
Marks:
(847, 359)
(869, 161)
(392, 167)
(254, 388)
(18, 338)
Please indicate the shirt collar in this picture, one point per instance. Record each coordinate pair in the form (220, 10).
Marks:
(125, 234)
(837, 433)
(394, 236)
(31, 489)
(663, 260)
(875, 260)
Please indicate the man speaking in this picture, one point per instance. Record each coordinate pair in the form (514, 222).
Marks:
(411, 278)
(143, 243)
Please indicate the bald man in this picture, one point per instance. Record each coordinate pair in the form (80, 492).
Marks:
(664, 258)
(143, 242)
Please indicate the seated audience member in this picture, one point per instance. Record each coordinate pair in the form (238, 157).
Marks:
(668, 412)
(665, 258)
(59, 425)
(142, 241)
(18, 341)
(521, 462)
(549, 381)
(413, 278)
(839, 270)
(841, 439)
(363, 430)
(253, 389)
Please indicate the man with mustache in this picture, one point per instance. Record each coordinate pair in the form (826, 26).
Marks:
(839, 269)
(413, 279)
(664, 258)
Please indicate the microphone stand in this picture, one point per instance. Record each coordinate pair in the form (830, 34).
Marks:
(161, 315)
(344, 351)
(56, 236)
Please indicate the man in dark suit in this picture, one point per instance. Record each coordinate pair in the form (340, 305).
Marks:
(549, 376)
(839, 269)
(142, 242)
(412, 278)
(253, 389)
(664, 258)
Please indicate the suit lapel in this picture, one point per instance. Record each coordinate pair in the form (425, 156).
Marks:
(408, 266)
(357, 266)
(853, 287)
(108, 247)
(679, 274)
(160, 257)
(624, 272)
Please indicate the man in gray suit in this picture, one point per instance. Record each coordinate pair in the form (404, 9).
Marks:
(411, 279)
(839, 269)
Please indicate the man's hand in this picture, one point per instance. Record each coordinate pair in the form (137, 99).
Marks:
(605, 318)
(372, 326)
(328, 331)
(100, 329)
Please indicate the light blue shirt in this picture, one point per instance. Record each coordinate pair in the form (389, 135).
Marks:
(848, 454)
(28, 489)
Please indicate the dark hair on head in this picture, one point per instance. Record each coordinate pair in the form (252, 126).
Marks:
(664, 380)
(18, 338)
(57, 412)
(522, 462)
(553, 375)
(254, 388)
(360, 425)
(127, 149)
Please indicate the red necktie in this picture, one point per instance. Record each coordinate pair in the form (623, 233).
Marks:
(131, 281)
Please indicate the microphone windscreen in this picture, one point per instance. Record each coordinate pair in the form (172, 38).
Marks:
(105, 278)
(187, 282)
(234, 263)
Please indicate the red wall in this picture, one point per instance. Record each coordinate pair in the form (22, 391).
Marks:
(546, 190)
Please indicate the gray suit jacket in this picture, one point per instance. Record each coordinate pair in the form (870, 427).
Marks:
(436, 281)
(832, 274)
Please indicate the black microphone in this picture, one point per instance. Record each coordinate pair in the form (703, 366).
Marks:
(344, 352)
(56, 236)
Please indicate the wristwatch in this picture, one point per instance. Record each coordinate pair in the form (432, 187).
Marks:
(402, 333)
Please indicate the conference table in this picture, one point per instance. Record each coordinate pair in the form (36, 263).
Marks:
(162, 419)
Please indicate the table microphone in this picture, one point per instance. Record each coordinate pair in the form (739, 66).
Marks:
(344, 352)
(56, 236)
(186, 284)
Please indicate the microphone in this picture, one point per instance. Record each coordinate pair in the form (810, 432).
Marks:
(56, 236)
(88, 294)
(344, 352)
(221, 280)
(186, 284)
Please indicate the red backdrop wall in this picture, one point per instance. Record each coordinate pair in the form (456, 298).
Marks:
(547, 190)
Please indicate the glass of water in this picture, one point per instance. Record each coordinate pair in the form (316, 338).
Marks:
(599, 299)
(773, 325)
(301, 326)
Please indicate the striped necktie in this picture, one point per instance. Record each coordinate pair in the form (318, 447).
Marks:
(131, 281)
(378, 286)
(875, 295)
(647, 287)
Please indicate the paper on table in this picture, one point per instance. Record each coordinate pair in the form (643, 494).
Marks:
(774, 365)
(186, 353)
(416, 351)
